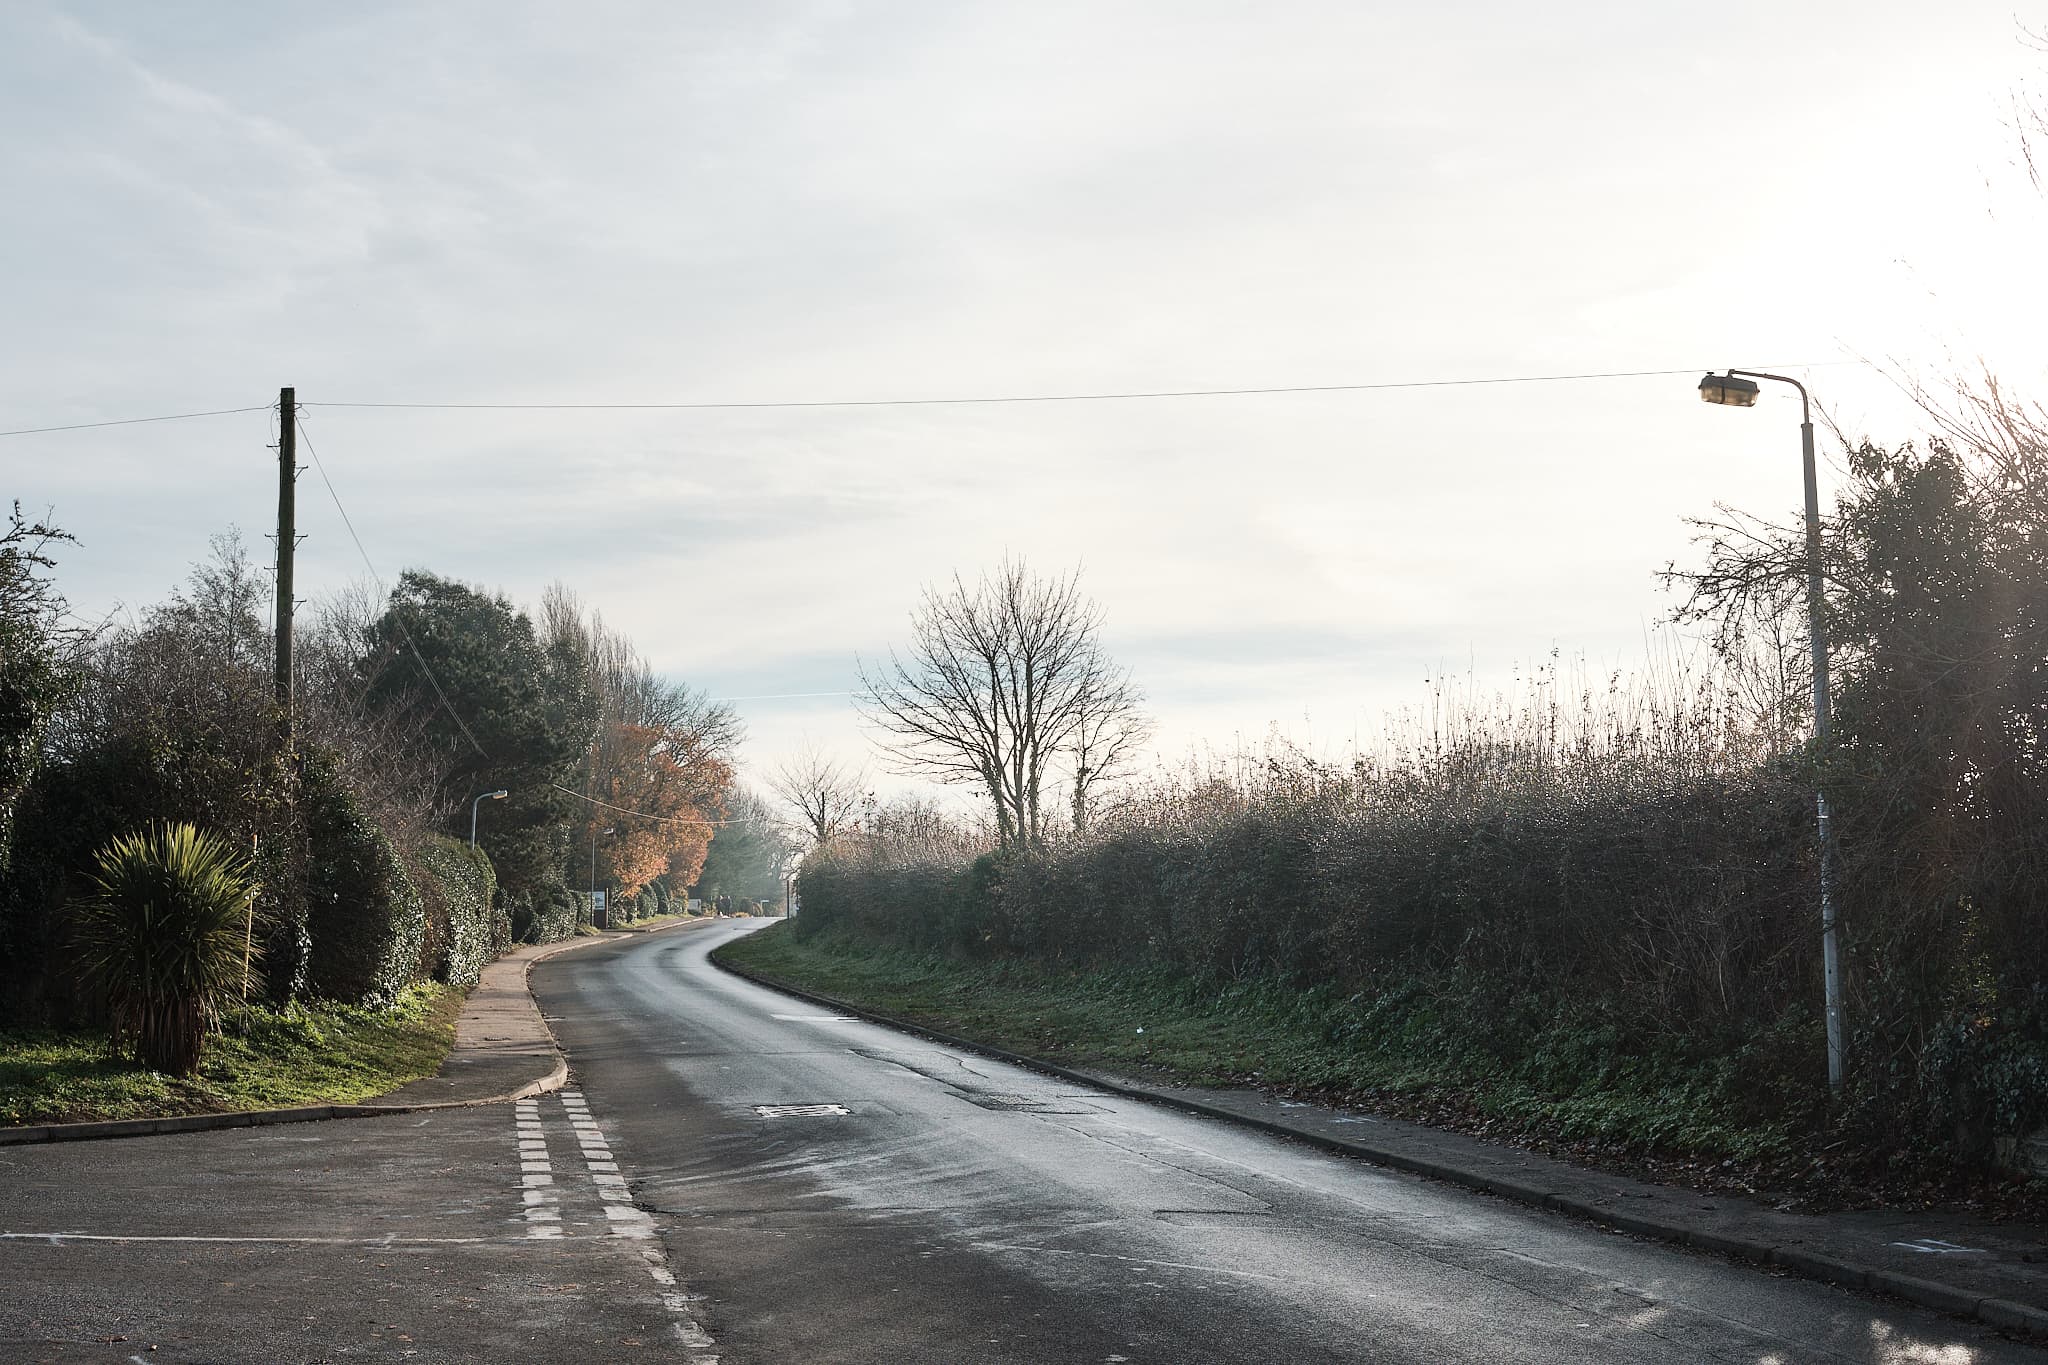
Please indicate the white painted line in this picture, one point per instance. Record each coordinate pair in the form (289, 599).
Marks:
(531, 1181)
(815, 1018)
(604, 1165)
(533, 1197)
(57, 1238)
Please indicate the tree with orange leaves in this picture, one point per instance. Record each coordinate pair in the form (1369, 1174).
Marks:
(658, 770)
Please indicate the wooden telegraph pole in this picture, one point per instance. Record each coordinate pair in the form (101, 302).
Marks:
(287, 542)
(287, 537)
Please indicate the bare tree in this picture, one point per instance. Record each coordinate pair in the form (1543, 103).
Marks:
(1001, 682)
(823, 791)
(1111, 733)
(387, 754)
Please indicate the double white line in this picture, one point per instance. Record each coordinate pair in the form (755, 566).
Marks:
(537, 1172)
(544, 1212)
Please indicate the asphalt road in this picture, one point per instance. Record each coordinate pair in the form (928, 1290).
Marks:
(698, 1195)
(837, 1191)
(463, 1235)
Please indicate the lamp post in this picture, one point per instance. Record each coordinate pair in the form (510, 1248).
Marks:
(487, 796)
(1738, 389)
(593, 878)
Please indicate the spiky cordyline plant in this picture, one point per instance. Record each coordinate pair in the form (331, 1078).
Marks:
(164, 935)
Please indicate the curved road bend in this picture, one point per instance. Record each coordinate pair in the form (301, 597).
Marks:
(961, 1210)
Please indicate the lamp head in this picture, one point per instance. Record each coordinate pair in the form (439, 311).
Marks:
(1729, 390)
(499, 795)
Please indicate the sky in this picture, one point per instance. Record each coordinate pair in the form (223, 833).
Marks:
(514, 204)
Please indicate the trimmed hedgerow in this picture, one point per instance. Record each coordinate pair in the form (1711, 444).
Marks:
(363, 913)
(466, 929)
(545, 914)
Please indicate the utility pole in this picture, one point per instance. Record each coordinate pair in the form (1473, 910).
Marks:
(287, 538)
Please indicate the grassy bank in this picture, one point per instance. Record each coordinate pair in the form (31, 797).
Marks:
(261, 1059)
(1412, 1053)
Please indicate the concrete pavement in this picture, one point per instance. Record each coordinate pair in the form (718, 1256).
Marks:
(503, 1048)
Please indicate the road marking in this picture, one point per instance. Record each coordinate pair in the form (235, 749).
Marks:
(1934, 1246)
(55, 1238)
(628, 1221)
(815, 1018)
(800, 1111)
(543, 1216)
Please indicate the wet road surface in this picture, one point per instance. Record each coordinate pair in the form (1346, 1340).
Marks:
(837, 1191)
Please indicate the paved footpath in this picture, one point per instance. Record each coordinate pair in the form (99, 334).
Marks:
(498, 1231)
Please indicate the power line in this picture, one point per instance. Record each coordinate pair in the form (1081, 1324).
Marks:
(447, 705)
(1056, 397)
(783, 696)
(941, 402)
(396, 620)
(135, 421)
(643, 815)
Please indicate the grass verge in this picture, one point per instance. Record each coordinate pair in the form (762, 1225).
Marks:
(261, 1059)
(1416, 1054)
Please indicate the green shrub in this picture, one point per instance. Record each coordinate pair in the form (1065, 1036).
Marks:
(465, 928)
(545, 913)
(364, 914)
(165, 935)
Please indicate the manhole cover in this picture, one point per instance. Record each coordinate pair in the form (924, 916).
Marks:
(800, 1111)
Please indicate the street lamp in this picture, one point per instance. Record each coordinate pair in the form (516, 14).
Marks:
(487, 796)
(593, 878)
(1738, 389)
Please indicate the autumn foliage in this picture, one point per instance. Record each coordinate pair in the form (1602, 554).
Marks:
(677, 790)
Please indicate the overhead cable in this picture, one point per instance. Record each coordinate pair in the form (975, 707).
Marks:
(134, 421)
(1051, 397)
(643, 815)
(396, 620)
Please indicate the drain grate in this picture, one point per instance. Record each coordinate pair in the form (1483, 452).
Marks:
(800, 1111)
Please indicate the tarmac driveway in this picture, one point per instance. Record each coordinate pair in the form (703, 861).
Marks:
(500, 1232)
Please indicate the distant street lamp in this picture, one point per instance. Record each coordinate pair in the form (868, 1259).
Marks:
(593, 879)
(1738, 389)
(487, 796)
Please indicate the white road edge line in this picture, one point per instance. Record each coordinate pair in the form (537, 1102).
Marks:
(628, 1221)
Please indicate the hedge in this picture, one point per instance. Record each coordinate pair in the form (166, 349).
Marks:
(466, 928)
(363, 912)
